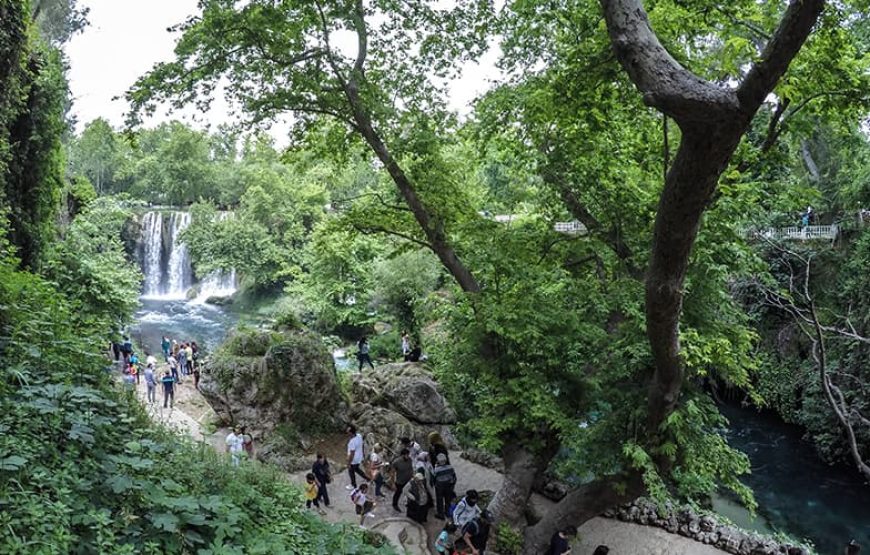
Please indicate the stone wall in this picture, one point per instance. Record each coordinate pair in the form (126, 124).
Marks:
(705, 529)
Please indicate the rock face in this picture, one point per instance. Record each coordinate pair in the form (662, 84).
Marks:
(400, 399)
(282, 386)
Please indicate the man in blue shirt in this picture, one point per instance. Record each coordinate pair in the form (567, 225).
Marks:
(168, 389)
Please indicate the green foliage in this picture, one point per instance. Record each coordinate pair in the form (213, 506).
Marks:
(90, 265)
(401, 285)
(82, 470)
(508, 541)
(31, 124)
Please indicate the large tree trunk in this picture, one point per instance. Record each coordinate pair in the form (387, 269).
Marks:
(581, 504)
(522, 468)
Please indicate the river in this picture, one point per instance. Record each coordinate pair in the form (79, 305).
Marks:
(796, 491)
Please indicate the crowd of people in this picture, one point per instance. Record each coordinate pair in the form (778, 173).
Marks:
(181, 361)
(427, 480)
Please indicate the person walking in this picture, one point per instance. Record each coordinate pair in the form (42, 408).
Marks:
(445, 481)
(362, 505)
(311, 487)
(168, 389)
(376, 468)
(235, 445)
(467, 509)
(404, 470)
(150, 384)
(363, 353)
(321, 471)
(419, 499)
(173, 368)
(165, 345)
(355, 456)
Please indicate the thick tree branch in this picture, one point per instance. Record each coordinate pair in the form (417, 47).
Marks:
(793, 30)
(581, 504)
(372, 229)
(665, 84)
(431, 226)
(713, 121)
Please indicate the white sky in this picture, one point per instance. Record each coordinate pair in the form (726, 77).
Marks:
(127, 37)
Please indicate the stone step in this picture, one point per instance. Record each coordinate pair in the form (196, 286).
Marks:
(405, 535)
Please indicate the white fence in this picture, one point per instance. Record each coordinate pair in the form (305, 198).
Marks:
(801, 233)
(574, 228)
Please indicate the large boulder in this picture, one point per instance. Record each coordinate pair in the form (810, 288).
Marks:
(407, 388)
(276, 384)
(400, 400)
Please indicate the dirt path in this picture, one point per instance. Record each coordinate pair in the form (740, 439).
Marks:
(193, 416)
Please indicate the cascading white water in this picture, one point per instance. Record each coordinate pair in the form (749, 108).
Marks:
(152, 230)
(166, 260)
(179, 268)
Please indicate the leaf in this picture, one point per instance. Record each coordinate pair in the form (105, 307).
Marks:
(165, 521)
(120, 483)
(12, 463)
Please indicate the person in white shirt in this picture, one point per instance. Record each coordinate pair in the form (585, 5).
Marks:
(412, 446)
(354, 456)
(235, 445)
(150, 360)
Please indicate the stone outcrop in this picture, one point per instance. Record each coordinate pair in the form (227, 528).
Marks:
(703, 528)
(400, 399)
(282, 386)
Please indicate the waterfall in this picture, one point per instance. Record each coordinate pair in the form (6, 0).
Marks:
(179, 268)
(152, 230)
(166, 260)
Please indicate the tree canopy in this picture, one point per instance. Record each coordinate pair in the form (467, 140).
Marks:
(632, 124)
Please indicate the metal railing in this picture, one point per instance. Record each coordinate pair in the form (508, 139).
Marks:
(574, 227)
(800, 233)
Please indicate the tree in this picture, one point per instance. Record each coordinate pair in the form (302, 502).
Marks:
(95, 155)
(282, 58)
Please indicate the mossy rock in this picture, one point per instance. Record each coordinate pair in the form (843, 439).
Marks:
(271, 381)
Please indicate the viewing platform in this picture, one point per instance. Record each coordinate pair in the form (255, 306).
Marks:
(799, 233)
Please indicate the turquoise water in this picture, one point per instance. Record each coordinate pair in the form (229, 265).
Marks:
(180, 320)
(797, 492)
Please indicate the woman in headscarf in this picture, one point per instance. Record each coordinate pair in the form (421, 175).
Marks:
(419, 499)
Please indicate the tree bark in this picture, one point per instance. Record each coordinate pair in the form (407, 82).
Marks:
(713, 119)
(581, 504)
(522, 467)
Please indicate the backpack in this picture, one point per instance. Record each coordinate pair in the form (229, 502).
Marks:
(445, 477)
(354, 495)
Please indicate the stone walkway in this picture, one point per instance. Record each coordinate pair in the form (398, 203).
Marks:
(406, 536)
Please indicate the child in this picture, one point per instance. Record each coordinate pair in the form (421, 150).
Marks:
(363, 505)
(444, 544)
(311, 488)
